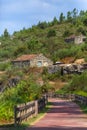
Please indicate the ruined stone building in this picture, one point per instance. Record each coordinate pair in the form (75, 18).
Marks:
(75, 39)
(32, 60)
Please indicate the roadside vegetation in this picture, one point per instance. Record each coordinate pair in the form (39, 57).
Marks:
(25, 91)
(77, 85)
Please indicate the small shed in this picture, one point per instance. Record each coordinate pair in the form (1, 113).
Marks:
(75, 39)
(32, 60)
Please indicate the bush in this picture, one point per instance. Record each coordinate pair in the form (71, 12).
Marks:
(66, 33)
(81, 93)
(4, 66)
(51, 33)
(78, 84)
(46, 88)
(24, 92)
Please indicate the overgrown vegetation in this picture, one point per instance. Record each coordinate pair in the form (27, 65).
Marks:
(5, 66)
(83, 107)
(27, 90)
(77, 85)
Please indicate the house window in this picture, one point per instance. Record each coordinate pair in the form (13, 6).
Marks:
(39, 63)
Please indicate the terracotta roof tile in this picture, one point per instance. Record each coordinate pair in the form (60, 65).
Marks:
(25, 57)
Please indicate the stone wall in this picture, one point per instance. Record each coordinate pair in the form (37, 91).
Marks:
(54, 69)
(20, 64)
(40, 61)
(78, 39)
(9, 83)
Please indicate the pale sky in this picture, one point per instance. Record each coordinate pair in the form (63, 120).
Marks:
(16, 14)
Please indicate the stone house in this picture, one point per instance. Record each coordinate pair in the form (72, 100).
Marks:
(75, 39)
(32, 60)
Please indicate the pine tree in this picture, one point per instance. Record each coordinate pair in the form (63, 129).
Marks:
(6, 34)
(61, 18)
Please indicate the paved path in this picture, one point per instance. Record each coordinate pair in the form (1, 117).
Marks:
(64, 115)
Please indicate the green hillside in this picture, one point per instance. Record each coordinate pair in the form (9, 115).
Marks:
(47, 38)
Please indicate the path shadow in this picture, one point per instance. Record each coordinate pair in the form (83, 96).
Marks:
(65, 107)
(43, 128)
(13, 127)
(57, 128)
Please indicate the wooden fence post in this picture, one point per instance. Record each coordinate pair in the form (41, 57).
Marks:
(36, 107)
(15, 115)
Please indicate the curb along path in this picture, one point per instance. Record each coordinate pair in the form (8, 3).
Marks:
(64, 115)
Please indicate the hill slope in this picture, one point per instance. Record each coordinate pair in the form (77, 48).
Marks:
(47, 38)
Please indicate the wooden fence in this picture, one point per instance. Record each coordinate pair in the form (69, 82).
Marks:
(72, 97)
(63, 96)
(28, 110)
(81, 99)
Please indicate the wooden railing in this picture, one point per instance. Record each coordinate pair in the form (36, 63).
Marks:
(63, 96)
(73, 97)
(81, 99)
(28, 110)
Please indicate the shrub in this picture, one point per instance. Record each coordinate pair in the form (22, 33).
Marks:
(82, 93)
(25, 91)
(78, 84)
(67, 33)
(51, 33)
(4, 66)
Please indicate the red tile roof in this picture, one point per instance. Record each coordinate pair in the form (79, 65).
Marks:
(25, 57)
